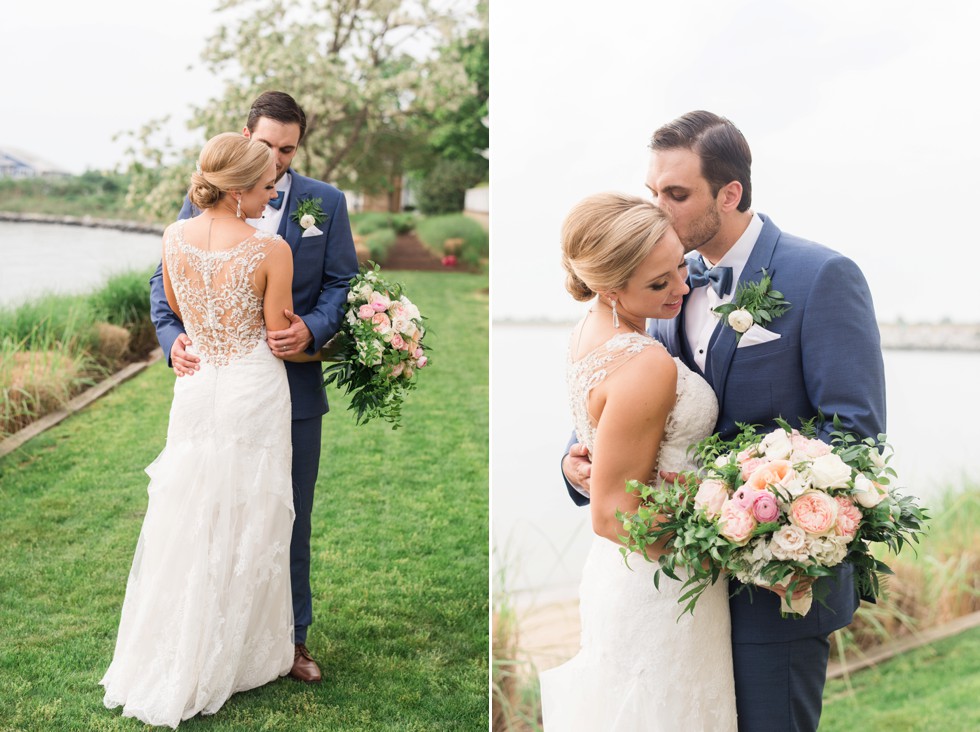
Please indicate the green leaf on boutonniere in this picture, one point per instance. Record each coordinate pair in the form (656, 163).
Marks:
(309, 207)
(755, 303)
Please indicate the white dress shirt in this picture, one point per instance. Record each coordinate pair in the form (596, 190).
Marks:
(271, 217)
(699, 321)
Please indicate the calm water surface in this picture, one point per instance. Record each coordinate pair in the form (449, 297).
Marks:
(39, 258)
(541, 538)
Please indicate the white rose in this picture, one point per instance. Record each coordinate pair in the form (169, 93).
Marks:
(307, 221)
(410, 309)
(868, 493)
(789, 543)
(828, 551)
(740, 320)
(829, 471)
(797, 485)
(776, 445)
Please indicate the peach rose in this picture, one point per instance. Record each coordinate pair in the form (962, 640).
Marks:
(381, 323)
(814, 512)
(848, 517)
(771, 473)
(711, 496)
(750, 465)
(736, 523)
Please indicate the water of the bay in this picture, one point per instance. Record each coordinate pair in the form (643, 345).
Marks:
(541, 538)
(43, 258)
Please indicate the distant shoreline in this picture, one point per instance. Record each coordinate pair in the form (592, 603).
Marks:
(138, 227)
(895, 336)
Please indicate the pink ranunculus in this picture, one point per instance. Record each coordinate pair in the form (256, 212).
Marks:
(381, 323)
(745, 496)
(814, 512)
(711, 496)
(765, 508)
(848, 517)
(397, 341)
(365, 312)
(736, 524)
(423, 361)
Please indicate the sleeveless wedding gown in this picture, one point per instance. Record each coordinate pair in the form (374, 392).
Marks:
(208, 608)
(640, 668)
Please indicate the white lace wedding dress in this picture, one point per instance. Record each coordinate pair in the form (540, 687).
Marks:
(208, 608)
(640, 668)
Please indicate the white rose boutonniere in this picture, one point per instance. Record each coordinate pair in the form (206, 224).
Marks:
(308, 214)
(755, 303)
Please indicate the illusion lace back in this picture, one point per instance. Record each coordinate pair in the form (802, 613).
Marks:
(208, 609)
(642, 666)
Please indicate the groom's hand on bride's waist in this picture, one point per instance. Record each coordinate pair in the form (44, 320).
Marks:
(184, 362)
(577, 467)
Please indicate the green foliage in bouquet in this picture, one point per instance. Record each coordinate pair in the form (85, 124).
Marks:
(376, 354)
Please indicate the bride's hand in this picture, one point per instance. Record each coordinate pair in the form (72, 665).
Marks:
(804, 585)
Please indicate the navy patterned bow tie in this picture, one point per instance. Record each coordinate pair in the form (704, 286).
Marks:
(277, 201)
(698, 275)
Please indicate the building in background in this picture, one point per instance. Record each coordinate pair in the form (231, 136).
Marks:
(16, 163)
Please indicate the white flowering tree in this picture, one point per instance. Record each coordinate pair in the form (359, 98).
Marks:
(364, 71)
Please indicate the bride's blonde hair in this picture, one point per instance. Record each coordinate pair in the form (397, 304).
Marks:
(228, 162)
(604, 239)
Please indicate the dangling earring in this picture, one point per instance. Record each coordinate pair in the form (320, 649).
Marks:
(238, 212)
(615, 314)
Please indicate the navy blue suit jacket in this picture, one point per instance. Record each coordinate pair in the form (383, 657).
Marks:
(323, 266)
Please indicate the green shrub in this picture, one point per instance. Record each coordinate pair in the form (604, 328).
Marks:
(379, 243)
(434, 231)
(368, 222)
(443, 189)
(125, 301)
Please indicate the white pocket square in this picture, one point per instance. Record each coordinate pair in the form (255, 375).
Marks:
(756, 335)
(312, 231)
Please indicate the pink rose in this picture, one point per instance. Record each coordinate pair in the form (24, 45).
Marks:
(848, 518)
(418, 352)
(746, 454)
(397, 341)
(711, 496)
(750, 465)
(381, 322)
(814, 512)
(808, 447)
(379, 302)
(765, 508)
(397, 369)
(423, 361)
(736, 523)
(365, 312)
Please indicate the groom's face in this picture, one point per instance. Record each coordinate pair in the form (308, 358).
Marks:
(677, 185)
(282, 138)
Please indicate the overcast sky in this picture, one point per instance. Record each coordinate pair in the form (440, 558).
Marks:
(77, 73)
(862, 118)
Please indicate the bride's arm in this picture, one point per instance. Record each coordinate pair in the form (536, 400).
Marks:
(632, 406)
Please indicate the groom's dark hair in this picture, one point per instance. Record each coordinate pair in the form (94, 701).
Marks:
(724, 152)
(279, 106)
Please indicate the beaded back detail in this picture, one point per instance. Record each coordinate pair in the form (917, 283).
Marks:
(216, 294)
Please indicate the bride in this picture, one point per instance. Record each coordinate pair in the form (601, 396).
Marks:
(641, 666)
(208, 608)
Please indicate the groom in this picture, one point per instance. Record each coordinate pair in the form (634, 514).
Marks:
(823, 354)
(323, 265)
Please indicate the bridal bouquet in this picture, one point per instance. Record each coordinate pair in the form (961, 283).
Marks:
(775, 509)
(378, 349)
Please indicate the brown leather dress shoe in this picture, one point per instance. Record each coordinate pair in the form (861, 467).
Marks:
(304, 667)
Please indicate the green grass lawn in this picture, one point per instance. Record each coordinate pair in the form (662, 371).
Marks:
(932, 689)
(400, 542)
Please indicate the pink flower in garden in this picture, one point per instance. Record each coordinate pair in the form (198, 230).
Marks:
(848, 517)
(814, 512)
(365, 312)
(736, 523)
(765, 508)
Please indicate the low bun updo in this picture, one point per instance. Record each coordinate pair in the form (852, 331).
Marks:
(228, 162)
(604, 239)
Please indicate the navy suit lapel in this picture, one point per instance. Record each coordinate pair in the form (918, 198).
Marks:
(721, 347)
